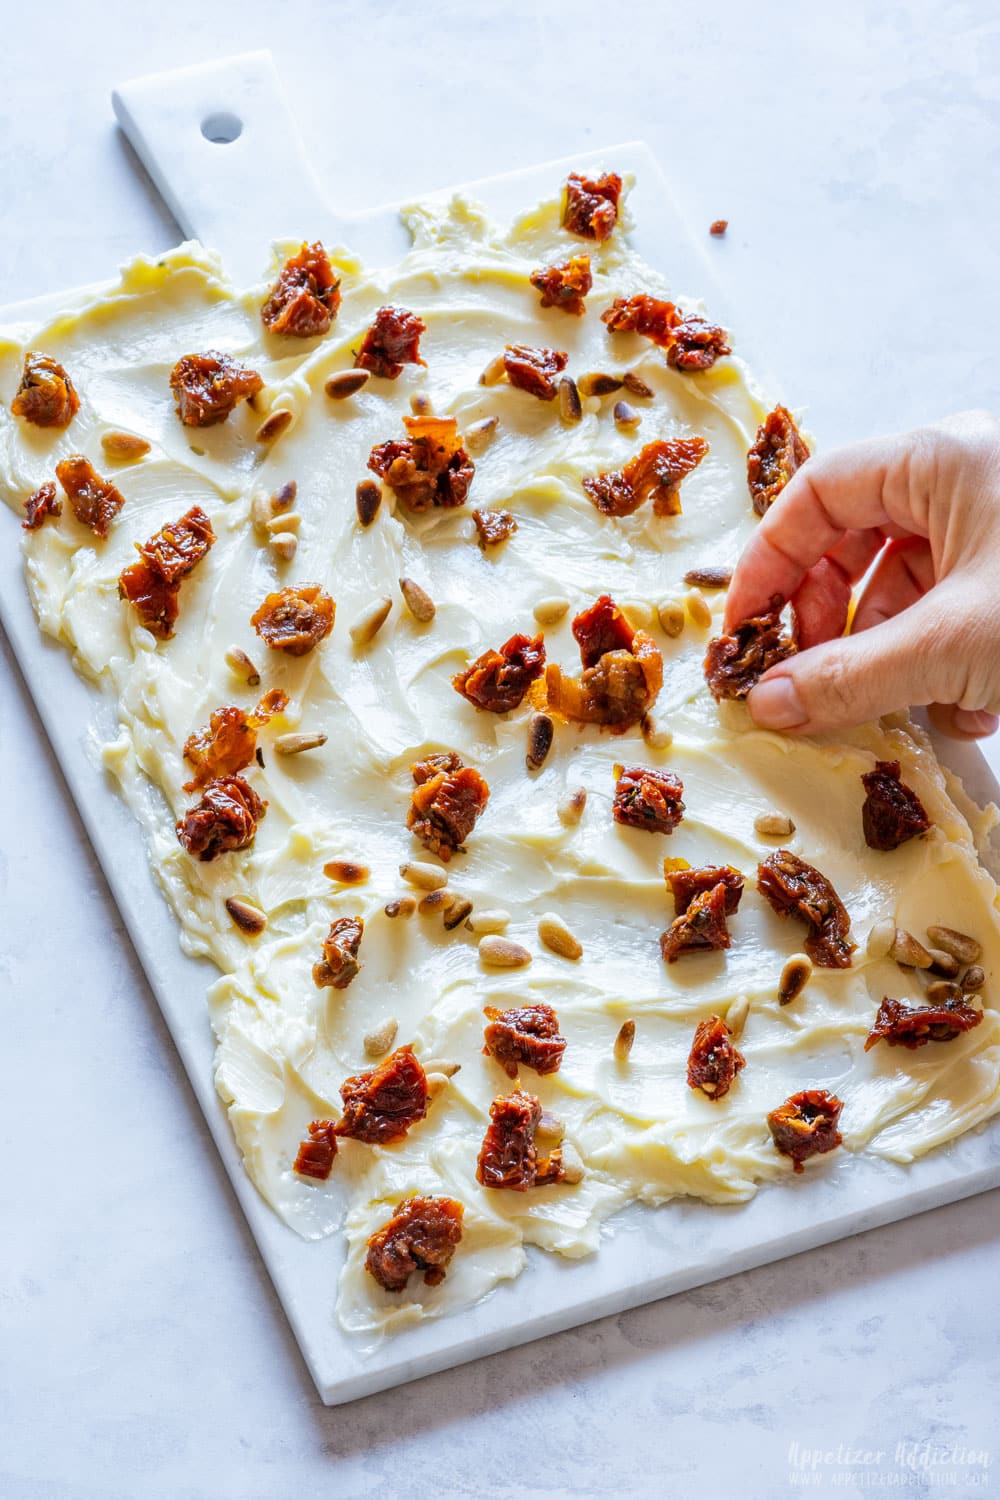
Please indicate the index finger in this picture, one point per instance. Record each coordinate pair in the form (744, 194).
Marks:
(852, 489)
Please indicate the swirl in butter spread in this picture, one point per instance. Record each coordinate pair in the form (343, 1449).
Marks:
(284, 1045)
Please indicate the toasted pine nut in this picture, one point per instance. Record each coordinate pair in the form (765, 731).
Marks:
(942, 990)
(249, 919)
(294, 744)
(773, 825)
(554, 933)
(288, 520)
(273, 426)
(624, 1040)
(418, 601)
(370, 621)
(426, 877)
(479, 435)
(794, 977)
(973, 979)
(457, 912)
(736, 1015)
(345, 383)
(420, 404)
(501, 953)
(709, 578)
(959, 944)
(572, 806)
(401, 906)
(125, 447)
(626, 416)
(550, 611)
(657, 736)
(442, 1065)
(570, 408)
(944, 964)
(635, 383)
(908, 952)
(698, 609)
(495, 371)
(483, 922)
(284, 545)
(240, 664)
(379, 1040)
(596, 383)
(436, 1084)
(435, 901)
(549, 1127)
(368, 499)
(540, 733)
(284, 496)
(671, 616)
(346, 871)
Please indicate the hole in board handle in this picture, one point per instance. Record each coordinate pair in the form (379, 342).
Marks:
(222, 128)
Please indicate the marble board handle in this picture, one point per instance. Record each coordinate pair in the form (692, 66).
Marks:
(222, 147)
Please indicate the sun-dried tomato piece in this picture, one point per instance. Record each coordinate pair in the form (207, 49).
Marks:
(317, 1151)
(39, 506)
(429, 468)
(339, 964)
(154, 599)
(685, 884)
(902, 1025)
(446, 804)
(179, 546)
(691, 343)
(392, 341)
(655, 473)
(46, 396)
(713, 1062)
(498, 680)
(207, 387)
(305, 298)
(590, 205)
(796, 889)
(697, 344)
(225, 818)
(508, 1158)
(565, 286)
(534, 370)
(623, 671)
(381, 1105)
(806, 1125)
(94, 501)
(437, 764)
(524, 1034)
(230, 741)
(152, 584)
(600, 628)
(422, 1235)
(701, 926)
(735, 663)
(778, 451)
(652, 317)
(494, 526)
(295, 620)
(718, 227)
(892, 812)
(646, 799)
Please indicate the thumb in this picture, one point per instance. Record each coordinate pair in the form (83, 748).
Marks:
(902, 662)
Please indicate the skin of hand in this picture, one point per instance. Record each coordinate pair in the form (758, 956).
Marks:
(924, 508)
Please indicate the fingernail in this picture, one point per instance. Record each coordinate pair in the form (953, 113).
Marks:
(775, 704)
(975, 722)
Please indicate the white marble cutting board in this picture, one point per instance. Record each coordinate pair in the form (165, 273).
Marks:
(237, 195)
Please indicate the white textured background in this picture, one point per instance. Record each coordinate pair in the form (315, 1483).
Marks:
(856, 150)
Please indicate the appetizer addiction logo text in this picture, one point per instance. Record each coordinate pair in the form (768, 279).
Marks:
(905, 1466)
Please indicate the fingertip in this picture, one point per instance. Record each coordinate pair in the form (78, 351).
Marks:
(775, 704)
(962, 723)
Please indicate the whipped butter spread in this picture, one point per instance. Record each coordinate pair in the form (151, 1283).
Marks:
(284, 1046)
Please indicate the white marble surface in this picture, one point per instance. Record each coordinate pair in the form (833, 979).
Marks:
(142, 1351)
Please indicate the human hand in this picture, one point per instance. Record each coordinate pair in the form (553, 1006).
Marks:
(926, 629)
